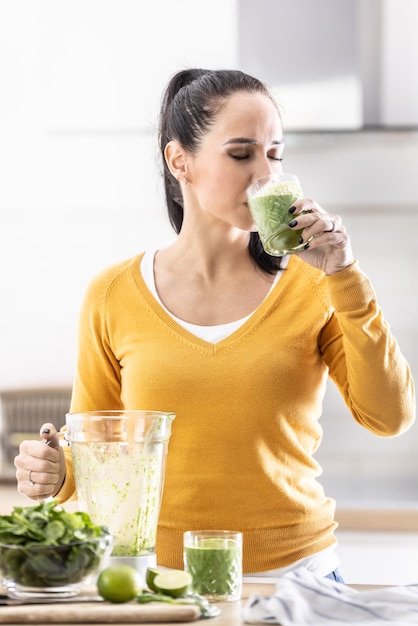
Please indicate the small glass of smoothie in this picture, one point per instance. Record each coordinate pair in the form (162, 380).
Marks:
(214, 560)
(269, 201)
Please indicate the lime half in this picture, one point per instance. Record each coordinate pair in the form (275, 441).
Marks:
(175, 582)
(150, 575)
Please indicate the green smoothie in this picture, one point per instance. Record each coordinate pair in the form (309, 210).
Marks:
(270, 210)
(215, 565)
(119, 465)
(119, 484)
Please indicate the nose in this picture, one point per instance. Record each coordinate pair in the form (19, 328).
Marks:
(269, 166)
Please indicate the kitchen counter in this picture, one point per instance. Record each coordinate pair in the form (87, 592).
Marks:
(384, 518)
(230, 615)
(230, 611)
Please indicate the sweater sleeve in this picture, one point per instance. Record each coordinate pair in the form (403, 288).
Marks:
(97, 382)
(364, 358)
(67, 491)
(97, 385)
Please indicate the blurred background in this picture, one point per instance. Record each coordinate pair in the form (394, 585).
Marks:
(80, 189)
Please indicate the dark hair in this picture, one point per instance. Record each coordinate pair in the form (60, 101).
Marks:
(191, 101)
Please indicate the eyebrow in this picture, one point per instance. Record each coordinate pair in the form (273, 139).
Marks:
(251, 142)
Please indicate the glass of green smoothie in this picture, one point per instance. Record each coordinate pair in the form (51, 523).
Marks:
(214, 560)
(269, 201)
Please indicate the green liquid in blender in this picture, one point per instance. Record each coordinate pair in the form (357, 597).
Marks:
(119, 485)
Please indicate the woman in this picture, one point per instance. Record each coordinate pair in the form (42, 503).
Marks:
(237, 343)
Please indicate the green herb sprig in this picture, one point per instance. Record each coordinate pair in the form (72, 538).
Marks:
(207, 610)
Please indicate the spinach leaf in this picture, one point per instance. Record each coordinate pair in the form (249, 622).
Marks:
(45, 546)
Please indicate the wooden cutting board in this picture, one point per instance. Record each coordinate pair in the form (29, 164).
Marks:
(97, 613)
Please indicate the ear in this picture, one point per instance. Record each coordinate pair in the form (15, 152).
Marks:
(175, 158)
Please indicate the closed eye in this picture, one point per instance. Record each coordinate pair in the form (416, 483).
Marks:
(243, 157)
(239, 157)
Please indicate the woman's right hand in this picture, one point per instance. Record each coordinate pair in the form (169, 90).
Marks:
(40, 465)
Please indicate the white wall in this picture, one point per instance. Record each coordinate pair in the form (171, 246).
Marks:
(80, 88)
(399, 89)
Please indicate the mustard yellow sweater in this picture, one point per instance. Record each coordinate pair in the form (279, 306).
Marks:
(247, 408)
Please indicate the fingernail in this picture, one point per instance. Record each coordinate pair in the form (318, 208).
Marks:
(293, 223)
(292, 209)
(300, 239)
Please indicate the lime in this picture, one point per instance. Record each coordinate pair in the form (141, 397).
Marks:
(174, 582)
(119, 583)
(151, 573)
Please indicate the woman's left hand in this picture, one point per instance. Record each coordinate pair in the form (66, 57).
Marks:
(328, 245)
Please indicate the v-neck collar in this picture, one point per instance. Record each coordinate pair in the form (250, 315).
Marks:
(183, 333)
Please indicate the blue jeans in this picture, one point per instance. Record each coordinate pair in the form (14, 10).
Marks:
(336, 576)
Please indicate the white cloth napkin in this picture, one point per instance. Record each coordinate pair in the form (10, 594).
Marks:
(302, 598)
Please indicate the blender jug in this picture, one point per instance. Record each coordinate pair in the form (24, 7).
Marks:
(119, 462)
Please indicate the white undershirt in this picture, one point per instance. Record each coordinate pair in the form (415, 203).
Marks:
(325, 561)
